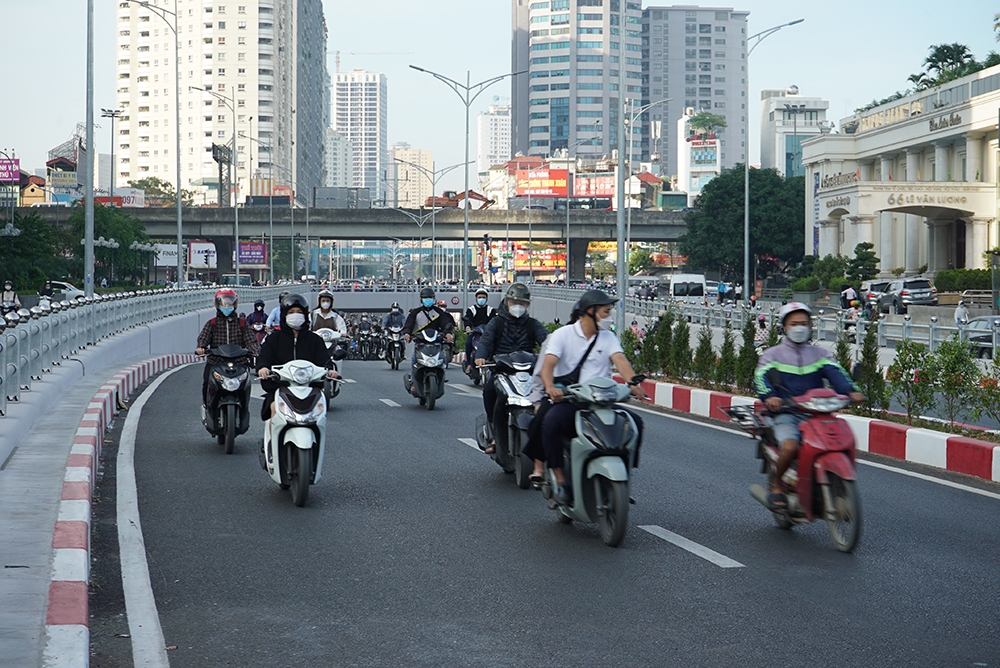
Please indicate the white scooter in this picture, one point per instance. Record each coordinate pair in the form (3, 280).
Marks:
(331, 339)
(294, 444)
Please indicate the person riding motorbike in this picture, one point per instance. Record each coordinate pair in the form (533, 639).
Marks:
(395, 317)
(293, 341)
(512, 330)
(325, 317)
(427, 316)
(258, 317)
(477, 315)
(274, 319)
(8, 294)
(802, 367)
(225, 327)
(46, 291)
(582, 350)
(854, 312)
(761, 333)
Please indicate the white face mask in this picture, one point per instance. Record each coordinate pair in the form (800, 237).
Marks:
(517, 310)
(604, 324)
(799, 333)
(295, 320)
(325, 305)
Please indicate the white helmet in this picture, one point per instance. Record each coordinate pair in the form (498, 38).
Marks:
(792, 307)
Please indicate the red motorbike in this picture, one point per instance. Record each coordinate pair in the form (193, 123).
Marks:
(823, 478)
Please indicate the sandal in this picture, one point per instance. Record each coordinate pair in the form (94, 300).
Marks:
(491, 447)
(777, 501)
(536, 480)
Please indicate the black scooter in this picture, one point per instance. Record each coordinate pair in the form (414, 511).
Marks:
(432, 359)
(227, 413)
(469, 366)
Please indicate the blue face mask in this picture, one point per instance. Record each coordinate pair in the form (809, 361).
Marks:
(427, 302)
(481, 302)
(227, 310)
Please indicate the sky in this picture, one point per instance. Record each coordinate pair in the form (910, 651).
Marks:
(848, 52)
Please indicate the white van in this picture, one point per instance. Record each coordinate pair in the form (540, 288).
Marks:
(688, 287)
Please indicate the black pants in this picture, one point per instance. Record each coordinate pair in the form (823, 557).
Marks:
(204, 384)
(489, 397)
(559, 421)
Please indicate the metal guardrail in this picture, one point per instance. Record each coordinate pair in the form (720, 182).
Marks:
(33, 341)
(826, 322)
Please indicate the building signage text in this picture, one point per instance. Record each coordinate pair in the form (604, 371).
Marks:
(838, 179)
(903, 200)
(894, 115)
(838, 201)
(945, 122)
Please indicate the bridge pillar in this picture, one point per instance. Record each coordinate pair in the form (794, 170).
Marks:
(223, 255)
(578, 257)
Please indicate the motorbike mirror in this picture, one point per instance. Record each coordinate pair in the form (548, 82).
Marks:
(637, 379)
(243, 315)
(339, 354)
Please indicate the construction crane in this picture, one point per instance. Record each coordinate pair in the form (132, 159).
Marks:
(368, 53)
(451, 200)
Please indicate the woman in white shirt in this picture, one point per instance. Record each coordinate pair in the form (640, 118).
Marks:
(586, 347)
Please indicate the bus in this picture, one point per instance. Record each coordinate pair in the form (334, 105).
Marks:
(584, 204)
(230, 279)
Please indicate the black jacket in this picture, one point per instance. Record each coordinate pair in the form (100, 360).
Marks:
(478, 316)
(280, 347)
(506, 334)
(444, 323)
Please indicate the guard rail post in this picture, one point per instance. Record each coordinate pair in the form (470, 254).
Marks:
(23, 350)
(882, 338)
(906, 326)
(4, 360)
(34, 335)
(932, 333)
(44, 343)
(996, 338)
(55, 333)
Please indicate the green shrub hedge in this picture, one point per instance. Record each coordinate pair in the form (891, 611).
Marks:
(959, 280)
(807, 284)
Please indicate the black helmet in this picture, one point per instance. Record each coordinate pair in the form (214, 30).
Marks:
(258, 301)
(427, 292)
(281, 297)
(592, 298)
(518, 291)
(292, 300)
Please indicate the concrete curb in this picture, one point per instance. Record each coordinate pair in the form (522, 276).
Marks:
(913, 444)
(67, 621)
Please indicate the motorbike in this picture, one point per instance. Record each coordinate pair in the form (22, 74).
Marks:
(227, 413)
(599, 456)
(258, 332)
(469, 366)
(512, 415)
(332, 339)
(395, 347)
(823, 479)
(432, 359)
(365, 344)
(292, 452)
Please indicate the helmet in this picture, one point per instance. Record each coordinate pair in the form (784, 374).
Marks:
(790, 308)
(327, 294)
(762, 319)
(590, 299)
(482, 291)
(395, 306)
(427, 292)
(290, 300)
(854, 302)
(518, 291)
(226, 297)
(442, 303)
(258, 301)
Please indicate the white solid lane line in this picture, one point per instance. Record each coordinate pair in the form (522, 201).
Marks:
(471, 442)
(720, 560)
(466, 391)
(389, 402)
(921, 476)
(148, 646)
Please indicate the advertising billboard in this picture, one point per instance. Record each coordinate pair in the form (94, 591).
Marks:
(166, 255)
(201, 255)
(131, 197)
(63, 179)
(10, 169)
(542, 183)
(253, 255)
(594, 185)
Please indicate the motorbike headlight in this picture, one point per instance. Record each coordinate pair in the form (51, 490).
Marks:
(824, 404)
(604, 395)
(246, 374)
(326, 335)
(218, 377)
(430, 360)
(302, 375)
(232, 384)
(593, 435)
(282, 408)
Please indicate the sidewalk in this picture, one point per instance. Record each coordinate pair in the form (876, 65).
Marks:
(31, 487)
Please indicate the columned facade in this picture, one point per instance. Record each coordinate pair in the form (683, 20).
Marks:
(916, 177)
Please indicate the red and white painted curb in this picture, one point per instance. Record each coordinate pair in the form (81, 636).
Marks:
(67, 619)
(913, 444)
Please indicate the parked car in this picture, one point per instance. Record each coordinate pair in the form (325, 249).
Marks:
(906, 292)
(980, 334)
(68, 290)
(870, 291)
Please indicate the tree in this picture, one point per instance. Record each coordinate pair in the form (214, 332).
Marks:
(639, 261)
(707, 122)
(664, 333)
(996, 25)
(871, 380)
(110, 223)
(704, 355)
(830, 268)
(912, 377)
(714, 237)
(746, 363)
(864, 265)
(38, 254)
(630, 344)
(725, 370)
(948, 58)
(160, 192)
(681, 348)
(842, 351)
(957, 378)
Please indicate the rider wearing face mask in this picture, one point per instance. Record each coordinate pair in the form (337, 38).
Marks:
(225, 327)
(293, 341)
(512, 330)
(324, 317)
(802, 367)
(395, 317)
(477, 315)
(427, 316)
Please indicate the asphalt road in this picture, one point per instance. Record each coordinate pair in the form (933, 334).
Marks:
(417, 550)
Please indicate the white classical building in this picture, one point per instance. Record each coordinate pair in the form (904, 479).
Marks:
(916, 177)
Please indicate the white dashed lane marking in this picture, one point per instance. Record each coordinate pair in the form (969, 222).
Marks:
(720, 560)
(389, 402)
(471, 442)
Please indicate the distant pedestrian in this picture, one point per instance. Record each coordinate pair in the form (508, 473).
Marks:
(104, 282)
(961, 314)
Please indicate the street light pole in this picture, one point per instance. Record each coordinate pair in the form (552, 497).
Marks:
(88, 212)
(760, 37)
(467, 100)
(112, 114)
(622, 286)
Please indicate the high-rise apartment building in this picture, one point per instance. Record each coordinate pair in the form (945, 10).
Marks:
(411, 170)
(361, 114)
(492, 137)
(697, 57)
(265, 60)
(571, 51)
(786, 120)
(339, 157)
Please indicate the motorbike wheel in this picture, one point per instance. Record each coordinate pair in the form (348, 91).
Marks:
(302, 466)
(613, 517)
(782, 521)
(563, 517)
(432, 391)
(221, 439)
(230, 429)
(846, 530)
(523, 466)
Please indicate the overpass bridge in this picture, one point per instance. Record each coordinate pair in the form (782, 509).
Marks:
(217, 225)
